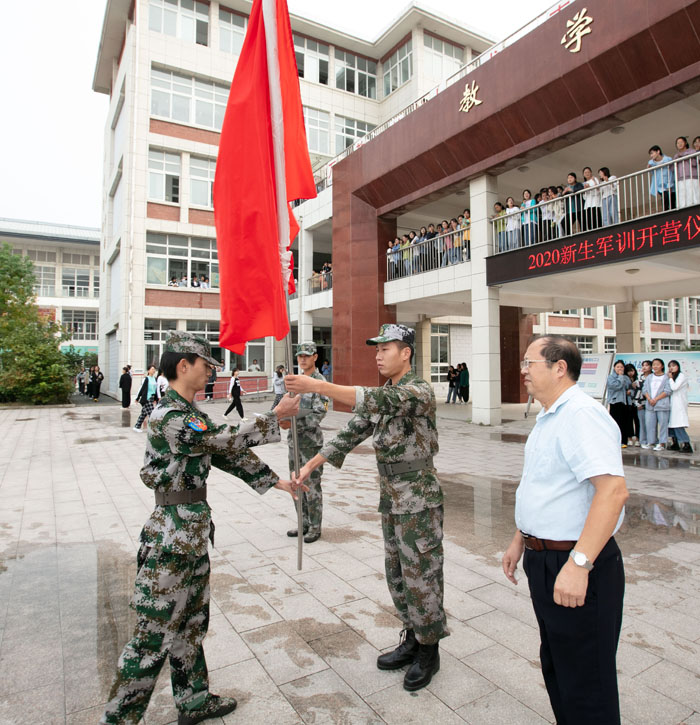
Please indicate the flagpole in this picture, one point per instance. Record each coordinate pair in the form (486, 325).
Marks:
(269, 11)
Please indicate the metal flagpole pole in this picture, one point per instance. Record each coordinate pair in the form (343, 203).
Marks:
(296, 458)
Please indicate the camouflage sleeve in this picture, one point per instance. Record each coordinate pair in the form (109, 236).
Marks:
(318, 411)
(356, 430)
(393, 400)
(249, 468)
(219, 440)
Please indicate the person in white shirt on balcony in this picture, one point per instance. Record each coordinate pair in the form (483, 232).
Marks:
(609, 189)
(592, 201)
(687, 186)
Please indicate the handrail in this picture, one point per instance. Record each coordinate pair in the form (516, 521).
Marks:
(448, 248)
(319, 282)
(326, 177)
(641, 194)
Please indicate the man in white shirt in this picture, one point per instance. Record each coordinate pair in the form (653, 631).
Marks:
(254, 367)
(569, 503)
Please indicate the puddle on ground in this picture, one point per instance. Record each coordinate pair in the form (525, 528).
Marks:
(508, 437)
(18, 420)
(98, 439)
(656, 462)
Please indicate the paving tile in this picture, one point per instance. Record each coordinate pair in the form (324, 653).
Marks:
(325, 698)
(328, 588)
(35, 705)
(499, 708)
(272, 583)
(457, 684)
(463, 639)
(380, 628)
(308, 617)
(666, 645)
(398, 707)
(510, 632)
(343, 565)
(668, 619)
(673, 681)
(462, 606)
(374, 587)
(632, 660)
(223, 646)
(509, 599)
(641, 704)
(283, 653)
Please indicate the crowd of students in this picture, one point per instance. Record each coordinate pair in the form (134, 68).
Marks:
(652, 408)
(458, 384)
(559, 211)
(202, 281)
(89, 382)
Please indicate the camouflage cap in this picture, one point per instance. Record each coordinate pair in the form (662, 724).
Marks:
(306, 348)
(393, 332)
(186, 342)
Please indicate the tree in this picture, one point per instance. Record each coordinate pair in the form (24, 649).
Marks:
(32, 368)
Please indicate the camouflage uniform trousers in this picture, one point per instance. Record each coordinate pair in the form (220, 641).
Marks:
(413, 558)
(312, 500)
(171, 599)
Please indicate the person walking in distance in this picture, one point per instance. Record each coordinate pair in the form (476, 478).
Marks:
(568, 506)
(400, 417)
(464, 383)
(125, 387)
(171, 591)
(97, 378)
(312, 410)
(209, 389)
(148, 397)
(234, 395)
(278, 385)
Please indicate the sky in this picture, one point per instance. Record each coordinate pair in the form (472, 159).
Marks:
(52, 122)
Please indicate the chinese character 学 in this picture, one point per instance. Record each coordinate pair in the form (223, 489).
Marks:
(469, 99)
(575, 30)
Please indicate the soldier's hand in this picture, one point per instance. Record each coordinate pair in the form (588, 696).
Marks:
(304, 472)
(290, 488)
(512, 557)
(286, 408)
(300, 383)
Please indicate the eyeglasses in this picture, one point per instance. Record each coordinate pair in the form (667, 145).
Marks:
(525, 364)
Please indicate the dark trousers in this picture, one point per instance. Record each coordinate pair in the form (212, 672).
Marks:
(620, 413)
(464, 393)
(235, 403)
(579, 644)
(633, 420)
(209, 391)
(126, 398)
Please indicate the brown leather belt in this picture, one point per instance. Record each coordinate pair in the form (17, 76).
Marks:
(535, 544)
(172, 498)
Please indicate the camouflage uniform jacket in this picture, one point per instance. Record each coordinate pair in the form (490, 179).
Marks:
(401, 419)
(179, 457)
(313, 408)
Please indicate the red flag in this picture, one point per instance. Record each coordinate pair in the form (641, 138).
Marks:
(246, 209)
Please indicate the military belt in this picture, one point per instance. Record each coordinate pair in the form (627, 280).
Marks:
(394, 469)
(172, 498)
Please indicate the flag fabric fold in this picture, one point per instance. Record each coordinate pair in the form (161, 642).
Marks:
(252, 257)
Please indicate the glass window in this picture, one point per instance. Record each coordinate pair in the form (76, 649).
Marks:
(312, 59)
(584, 344)
(398, 68)
(36, 255)
(185, 19)
(442, 59)
(608, 312)
(96, 283)
(232, 29)
(611, 344)
(254, 355)
(163, 176)
(187, 99)
(81, 324)
(317, 130)
(174, 260)
(439, 345)
(355, 74)
(348, 130)
(677, 304)
(588, 312)
(45, 285)
(658, 311)
(202, 181)
(670, 344)
(155, 333)
(75, 282)
(67, 258)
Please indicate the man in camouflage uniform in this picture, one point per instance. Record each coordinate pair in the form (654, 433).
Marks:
(400, 417)
(171, 593)
(312, 410)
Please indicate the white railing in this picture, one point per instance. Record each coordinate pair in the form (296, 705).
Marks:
(451, 247)
(324, 178)
(671, 185)
(319, 282)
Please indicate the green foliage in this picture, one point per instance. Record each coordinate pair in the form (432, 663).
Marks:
(75, 360)
(32, 368)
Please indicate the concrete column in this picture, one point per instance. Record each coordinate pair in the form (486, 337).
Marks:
(306, 264)
(422, 353)
(485, 375)
(627, 327)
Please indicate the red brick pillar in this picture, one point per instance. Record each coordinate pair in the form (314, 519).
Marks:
(516, 330)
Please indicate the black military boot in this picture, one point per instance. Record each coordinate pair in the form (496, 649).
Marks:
(674, 446)
(292, 533)
(403, 655)
(426, 664)
(687, 448)
(214, 706)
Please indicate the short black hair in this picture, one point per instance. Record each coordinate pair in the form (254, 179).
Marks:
(402, 345)
(605, 170)
(558, 347)
(655, 148)
(663, 364)
(618, 361)
(572, 173)
(170, 360)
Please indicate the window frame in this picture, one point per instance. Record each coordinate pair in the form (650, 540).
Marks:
(189, 251)
(159, 162)
(88, 327)
(393, 70)
(201, 176)
(348, 65)
(439, 332)
(313, 119)
(190, 25)
(303, 49)
(349, 138)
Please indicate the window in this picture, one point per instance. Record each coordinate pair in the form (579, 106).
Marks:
(67, 258)
(694, 310)
(312, 59)
(439, 344)
(209, 330)
(677, 304)
(38, 256)
(81, 324)
(202, 181)
(611, 344)
(355, 74)
(608, 312)
(254, 350)
(317, 130)
(185, 19)
(398, 68)
(96, 283)
(163, 176)
(231, 31)
(169, 255)
(186, 99)
(155, 333)
(670, 345)
(568, 313)
(658, 310)
(348, 130)
(588, 312)
(45, 285)
(584, 344)
(75, 282)
(442, 59)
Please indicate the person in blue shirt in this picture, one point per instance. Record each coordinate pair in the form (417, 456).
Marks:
(618, 385)
(662, 186)
(148, 397)
(568, 506)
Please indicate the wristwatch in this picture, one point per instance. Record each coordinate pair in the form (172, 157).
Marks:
(580, 559)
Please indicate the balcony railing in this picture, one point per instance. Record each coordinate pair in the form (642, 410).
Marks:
(319, 283)
(654, 190)
(449, 248)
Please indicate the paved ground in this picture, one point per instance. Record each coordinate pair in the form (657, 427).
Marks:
(300, 647)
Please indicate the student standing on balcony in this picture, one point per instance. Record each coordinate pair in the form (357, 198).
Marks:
(593, 214)
(500, 226)
(687, 187)
(608, 196)
(573, 205)
(528, 219)
(512, 224)
(662, 186)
